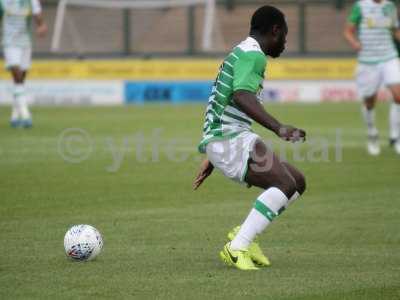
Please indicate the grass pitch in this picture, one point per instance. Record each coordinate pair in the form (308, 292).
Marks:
(128, 172)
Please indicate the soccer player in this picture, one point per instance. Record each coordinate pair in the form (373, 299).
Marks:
(17, 42)
(370, 29)
(240, 154)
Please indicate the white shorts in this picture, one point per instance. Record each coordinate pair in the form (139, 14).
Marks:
(231, 156)
(370, 77)
(18, 57)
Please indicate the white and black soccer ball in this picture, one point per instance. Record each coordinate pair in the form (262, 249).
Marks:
(83, 242)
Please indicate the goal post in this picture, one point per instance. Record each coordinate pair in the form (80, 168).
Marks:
(208, 22)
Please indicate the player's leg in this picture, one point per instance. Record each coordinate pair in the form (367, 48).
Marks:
(392, 80)
(17, 74)
(232, 157)
(15, 120)
(394, 118)
(255, 251)
(267, 172)
(20, 98)
(368, 113)
(300, 182)
(18, 62)
(24, 74)
(12, 58)
(368, 81)
(20, 86)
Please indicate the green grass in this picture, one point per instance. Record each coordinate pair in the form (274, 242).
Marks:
(341, 241)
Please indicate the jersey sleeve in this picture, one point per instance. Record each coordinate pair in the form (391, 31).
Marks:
(355, 14)
(248, 72)
(36, 7)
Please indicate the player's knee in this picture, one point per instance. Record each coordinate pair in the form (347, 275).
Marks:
(369, 102)
(369, 105)
(19, 78)
(287, 184)
(18, 75)
(300, 183)
(291, 187)
(396, 99)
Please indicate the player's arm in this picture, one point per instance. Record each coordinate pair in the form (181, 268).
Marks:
(250, 105)
(206, 169)
(1, 10)
(350, 29)
(396, 25)
(248, 77)
(41, 26)
(350, 34)
(396, 34)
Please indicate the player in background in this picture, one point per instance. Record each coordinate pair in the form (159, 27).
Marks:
(240, 154)
(370, 30)
(17, 44)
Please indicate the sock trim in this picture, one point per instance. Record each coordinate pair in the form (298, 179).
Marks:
(264, 210)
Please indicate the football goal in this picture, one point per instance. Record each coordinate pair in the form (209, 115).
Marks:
(62, 24)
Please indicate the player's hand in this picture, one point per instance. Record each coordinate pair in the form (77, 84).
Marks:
(291, 134)
(41, 30)
(206, 169)
(356, 46)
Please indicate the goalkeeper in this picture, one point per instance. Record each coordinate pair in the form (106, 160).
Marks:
(17, 42)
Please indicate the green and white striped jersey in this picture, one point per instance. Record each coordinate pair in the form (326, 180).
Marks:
(242, 69)
(17, 21)
(375, 22)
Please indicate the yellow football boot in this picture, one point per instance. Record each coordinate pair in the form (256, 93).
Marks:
(254, 250)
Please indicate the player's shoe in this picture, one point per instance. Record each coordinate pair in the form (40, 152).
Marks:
(26, 123)
(15, 118)
(14, 123)
(255, 252)
(373, 146)
(395, 144)
(392, 142)
(397, 147)
(237, 258)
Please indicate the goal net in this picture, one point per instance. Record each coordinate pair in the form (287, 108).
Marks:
(134, 26)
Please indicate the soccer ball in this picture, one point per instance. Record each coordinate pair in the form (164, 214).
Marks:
(83, 242)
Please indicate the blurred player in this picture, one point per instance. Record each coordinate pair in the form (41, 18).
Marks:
(371, 26)
(240, 154)
(17, 42)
